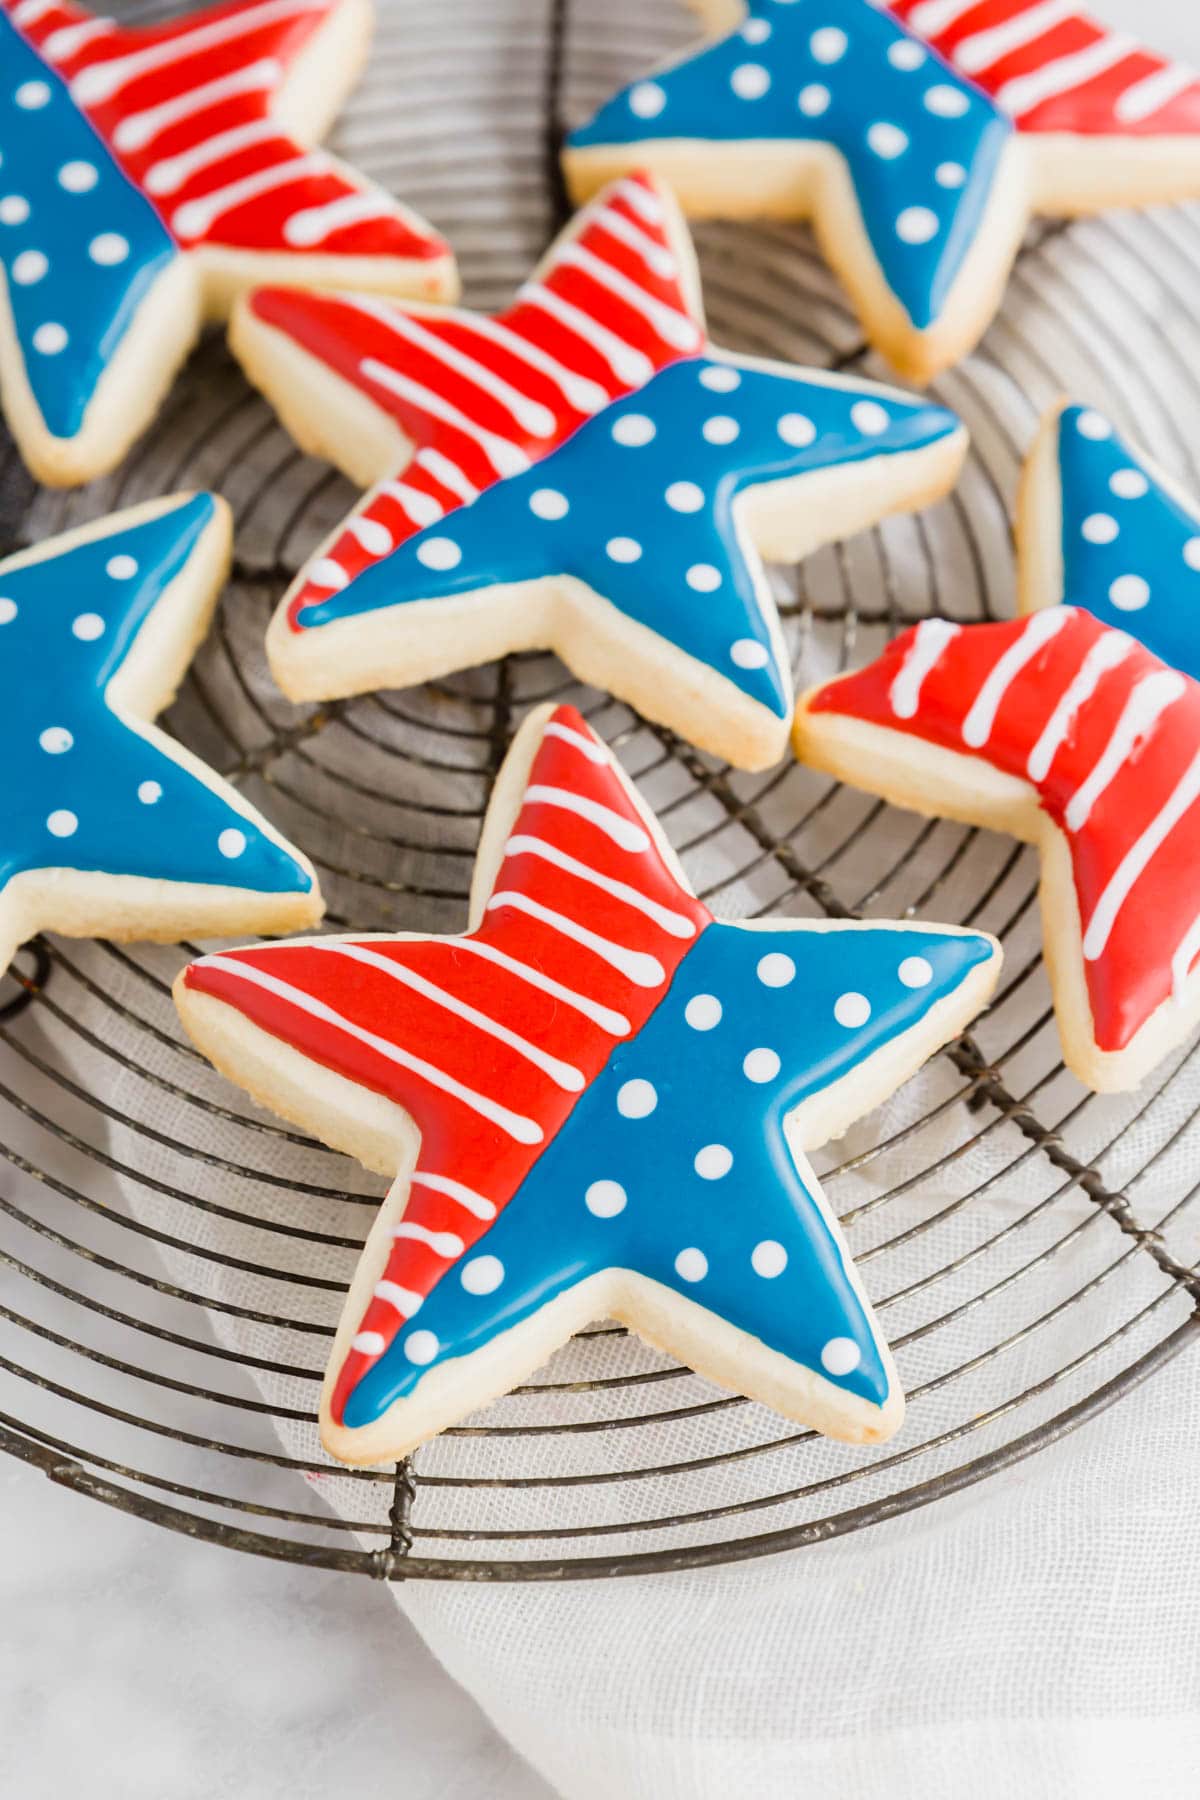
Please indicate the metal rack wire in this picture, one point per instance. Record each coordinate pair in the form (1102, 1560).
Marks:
(172, 1260)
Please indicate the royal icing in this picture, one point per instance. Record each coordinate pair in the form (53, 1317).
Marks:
(599, 1074)
(921, 145)
(1054, 68)
(1110, 739)
(125, 148)
(88, 789)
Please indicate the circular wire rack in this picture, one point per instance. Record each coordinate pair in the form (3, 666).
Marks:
(172, 1260)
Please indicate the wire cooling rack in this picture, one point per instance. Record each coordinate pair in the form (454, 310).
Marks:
(172, 1260)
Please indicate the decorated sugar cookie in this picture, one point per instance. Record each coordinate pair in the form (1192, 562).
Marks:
(108, 827)
(595, 1102)
(151, 173)
(919, 182)
(585, 473)
(1077, 730)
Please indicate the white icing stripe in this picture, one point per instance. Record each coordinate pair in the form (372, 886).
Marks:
(1137, 860)
(563, 1074)
(595, 753)
(30, 11)
(659, 261)
(935, 15)
(375, 538)
(1153, 92)
(195, 217)
(676, 924)
(643, 970)
(314, 224)
(455, 1190)
(169, 175)
(642, 200)
(140, 129)
(445, 1243)
(327, 573)
(1185, 956)
(623, 832)
(1025, 92)
(1042, 626)
(1106, 654)
(421, 508)
(100, 81)
(933, 637)
(531, 415)
(672, 326)
(606, 1017)
(369, 1343)
(629, 365)
(584, 395)
(64, 43)
(505, 457)
(403, 1299)
(523, 1130)
(448, 474)
(1145, 706)
(983, 48)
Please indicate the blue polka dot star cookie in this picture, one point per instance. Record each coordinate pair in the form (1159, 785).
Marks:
(108, 827)
(595, 1102)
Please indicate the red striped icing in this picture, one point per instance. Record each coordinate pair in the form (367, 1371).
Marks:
(481, 398)
(1118, 771)
(186, 110)
(592, 963)
(1054, 68)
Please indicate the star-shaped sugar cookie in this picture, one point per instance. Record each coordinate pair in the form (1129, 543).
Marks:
(108, 827)
(1078, 730)
(918, 181)
(149, 175)
(595, 1102)
(585, 473)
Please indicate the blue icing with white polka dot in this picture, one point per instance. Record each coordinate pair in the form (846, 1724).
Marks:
(80, 245)
(83, 790)
(922, 145)
(639, 504)
(1131, 550)
(674, 1162)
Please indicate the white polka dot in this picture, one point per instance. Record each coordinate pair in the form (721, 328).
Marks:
(421, 1347)
(149, 793)
(1130, 593)
(623, 549)
(685, 497)
(548, 503)
(8, 610)
(887, 140)
(636, 1099)
(950, 175)
(852, 1010)
(916, 972)
(704, 578)
(829, 44)
(760, 1065)
(748, 653)
(691, 1265)
(633, 430)
(841, 1356)
(776, 970)
(814, 100)
(62, 823)
(719, 378)
(713, 1162)
(50, 338)
(1191, 553)
(606, 1199)
(756, 31)
(796, 430)
(121, 568)
(750, 81)
(78, 177)
(88, 626)
(917, 225)
(946, 102)
(32, 95)
(29, 267)
(231, 842)
(108, 249)
(369, 1343)
(1100, 528)
(55, 739)
(768, 1259)
(647, 99)
(869, 417)
(1129, 484)
(1093, 425)
(439, 553)
(906, 54)
(14, 209)
(702, 1012)
(482, 1275)
(720, 429)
